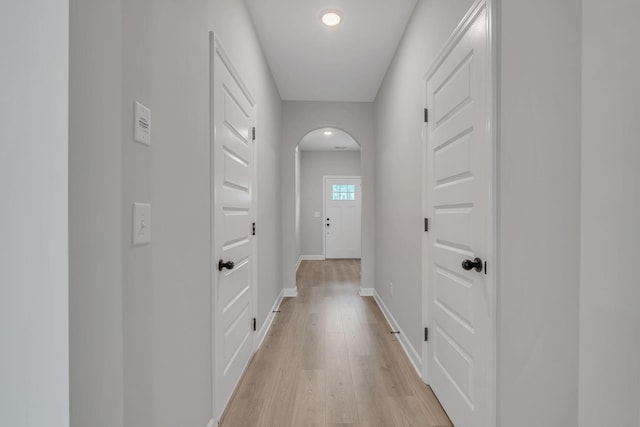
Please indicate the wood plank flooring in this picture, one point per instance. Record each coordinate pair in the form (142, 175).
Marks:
(330, 360)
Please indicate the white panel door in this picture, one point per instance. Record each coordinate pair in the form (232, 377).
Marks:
(342, 226)
(458, 175)
(233, 117)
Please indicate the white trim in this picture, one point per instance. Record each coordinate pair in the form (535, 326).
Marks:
(290, 292)
(494, 122)
(367, 292)
(411, 352)
(312, 258)
(425, 237)
(308, 258)
(212, 423)
(262, 333)
(255, 238)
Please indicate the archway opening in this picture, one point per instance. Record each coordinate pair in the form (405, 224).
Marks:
(328, 195)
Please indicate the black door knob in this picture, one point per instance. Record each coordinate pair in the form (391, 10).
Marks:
(228, 265)
(476, 264)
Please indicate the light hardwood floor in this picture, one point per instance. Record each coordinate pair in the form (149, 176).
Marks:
(330, 360)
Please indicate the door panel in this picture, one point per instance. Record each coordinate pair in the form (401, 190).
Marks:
(453, 159)
(453, 93)
(458, 186)
(453, 293)
(233, 116)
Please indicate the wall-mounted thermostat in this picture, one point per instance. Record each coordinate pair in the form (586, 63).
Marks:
(142, 124)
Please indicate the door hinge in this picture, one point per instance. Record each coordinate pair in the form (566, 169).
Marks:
(253, 134)
(426, 334)
(253, 229)
(254, 324)
(426, 115)
(426, 224)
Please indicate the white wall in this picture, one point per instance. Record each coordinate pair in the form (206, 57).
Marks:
(298, 118)
(610, 288)
(314, 165)
(167, 360)
(143, 313)
(34, 75)
(539, 213)
(399, 121)
(95, 213)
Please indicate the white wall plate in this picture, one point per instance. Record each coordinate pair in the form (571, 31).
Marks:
(142, 124)
(141, 223)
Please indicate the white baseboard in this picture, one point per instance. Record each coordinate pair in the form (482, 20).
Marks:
(367, 292)
(212, 423)
(262, 333)
(308, 258)
(290, 292)
(412, 354)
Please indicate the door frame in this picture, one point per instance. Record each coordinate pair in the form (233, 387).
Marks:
(492, 123)
(324, 208)
(216, 47)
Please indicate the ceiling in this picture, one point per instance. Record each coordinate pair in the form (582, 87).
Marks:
(318, 141)
(312, 62)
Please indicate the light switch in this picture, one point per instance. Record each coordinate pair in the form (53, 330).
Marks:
(142, 124)
(316, 214)
(141, 223)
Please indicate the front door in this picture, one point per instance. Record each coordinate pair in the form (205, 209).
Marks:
(233, 118)
(458, 180)
(342, 217)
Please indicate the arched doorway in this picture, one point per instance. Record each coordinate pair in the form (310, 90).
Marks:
(328, 222)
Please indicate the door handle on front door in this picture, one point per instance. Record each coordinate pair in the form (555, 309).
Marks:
(476, 264)
(228, 265)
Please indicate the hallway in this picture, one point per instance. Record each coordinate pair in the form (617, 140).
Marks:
(119, 194)
(329, 359)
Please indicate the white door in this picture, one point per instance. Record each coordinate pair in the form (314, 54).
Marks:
(233, 118)
(458, 181)
(343, 200)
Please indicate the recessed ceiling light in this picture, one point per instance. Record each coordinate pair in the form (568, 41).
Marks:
(328, 133)
(331, 18)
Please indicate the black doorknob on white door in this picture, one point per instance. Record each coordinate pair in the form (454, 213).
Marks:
(476, 264)
(228, 265)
